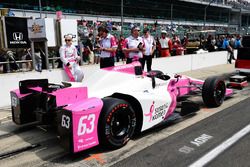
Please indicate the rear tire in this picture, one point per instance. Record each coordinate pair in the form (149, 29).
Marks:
(117, 123)
(213, 91)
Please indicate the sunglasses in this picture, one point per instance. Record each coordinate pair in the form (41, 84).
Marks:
(68, 40)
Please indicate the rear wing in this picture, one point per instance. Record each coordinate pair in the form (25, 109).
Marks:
(25, 85)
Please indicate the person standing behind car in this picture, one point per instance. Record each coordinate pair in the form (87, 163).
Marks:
(237, 43)
(134, 46)
(69, 57)
(165, 44)
(150, 46)
(89, 46)
(97, 52)
(108, 47)
(229, 49)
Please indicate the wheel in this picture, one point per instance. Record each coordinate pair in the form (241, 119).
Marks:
(117, 123)
(213, 91)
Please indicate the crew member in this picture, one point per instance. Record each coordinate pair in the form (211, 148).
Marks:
(70, 59)
(165, 44)
(150, 46)
(134, 46)
(108, 47)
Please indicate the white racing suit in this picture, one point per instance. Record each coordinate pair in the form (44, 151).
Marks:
(69, 57)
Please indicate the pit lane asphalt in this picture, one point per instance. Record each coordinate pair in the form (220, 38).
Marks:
(187, 146)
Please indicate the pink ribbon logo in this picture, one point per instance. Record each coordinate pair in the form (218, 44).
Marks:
(150, 114)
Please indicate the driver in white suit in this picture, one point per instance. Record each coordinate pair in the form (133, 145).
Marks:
(70, 59)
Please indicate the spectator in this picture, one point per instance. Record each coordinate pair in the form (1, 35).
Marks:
(27, 56)
(38, 60)
(97, 52)
(227, 46)
(184, 43)
(108, 47)
(150, 46)
(158, 48)
(134, 46)
(210, 44)
(89, 47)
(3, 68)
(69, 57)
(176, 43)
(119, 53)
(237, 43)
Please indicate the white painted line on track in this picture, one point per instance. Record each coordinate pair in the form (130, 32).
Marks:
(222, 147)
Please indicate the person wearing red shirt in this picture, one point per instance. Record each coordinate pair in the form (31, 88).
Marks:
(165, 44)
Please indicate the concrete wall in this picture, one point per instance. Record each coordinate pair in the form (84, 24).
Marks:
(174, 64)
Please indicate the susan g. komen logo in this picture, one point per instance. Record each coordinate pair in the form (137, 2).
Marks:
(18, 36)
(151, 111)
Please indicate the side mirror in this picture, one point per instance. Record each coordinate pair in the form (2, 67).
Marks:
(153, 81)
(138, 70)
(177, 76)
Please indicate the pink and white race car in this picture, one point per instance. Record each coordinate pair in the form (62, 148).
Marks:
(113, 105)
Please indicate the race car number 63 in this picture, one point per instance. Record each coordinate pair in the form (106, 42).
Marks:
(65, 121)
(86, 124)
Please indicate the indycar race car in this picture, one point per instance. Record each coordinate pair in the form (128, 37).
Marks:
(114, 104)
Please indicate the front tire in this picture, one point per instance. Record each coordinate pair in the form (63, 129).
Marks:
(117, 123)
(213, 91)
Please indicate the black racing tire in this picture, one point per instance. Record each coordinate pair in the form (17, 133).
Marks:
(117, 123)
(213, 91)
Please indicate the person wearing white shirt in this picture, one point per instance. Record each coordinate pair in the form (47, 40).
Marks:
(134, 46)
(150, 46)
(70, 59)
(108, 47)
(165, 44)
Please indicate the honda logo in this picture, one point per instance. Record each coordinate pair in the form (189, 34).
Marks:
(18, 36)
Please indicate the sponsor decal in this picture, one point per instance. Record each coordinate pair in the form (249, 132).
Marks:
(36, 28)
(158, 112)
(87, 145)
(151, 111)
(17, 36)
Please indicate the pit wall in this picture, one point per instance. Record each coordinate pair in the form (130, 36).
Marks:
(173, 64)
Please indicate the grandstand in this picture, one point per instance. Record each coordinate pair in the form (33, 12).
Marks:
(223, 15)
(220, 13)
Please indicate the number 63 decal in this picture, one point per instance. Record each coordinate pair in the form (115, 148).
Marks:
(86, 124)
(65, 121)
